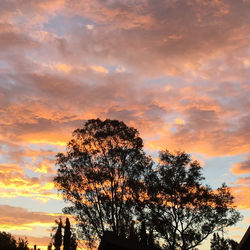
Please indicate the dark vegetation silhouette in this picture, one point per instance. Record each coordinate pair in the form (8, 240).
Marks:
(219, 243)
(181, 209)
(112, 185)
(58, 236)
(66, 236)
(101, 175)
(8, 242)
(67, 239)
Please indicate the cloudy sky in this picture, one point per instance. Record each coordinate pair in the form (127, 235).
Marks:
(177, 70)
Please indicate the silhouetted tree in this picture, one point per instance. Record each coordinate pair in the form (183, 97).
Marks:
(22, 244)
(101, 175)
(7, 241)
(67, 235)
(219, 243)
(50, 246)
(110, 183)
(183, 211)
(232, 244)
(58, 236)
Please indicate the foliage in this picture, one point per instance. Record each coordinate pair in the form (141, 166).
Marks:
(68, 238)
(73, 242)
(219, 243)
(232, 244)
(67, 235)
(7, 241)
(112, 185)
(182, 210)
(58, 236)
(101, 175)
(22, 244)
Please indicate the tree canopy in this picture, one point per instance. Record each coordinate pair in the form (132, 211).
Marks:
(111, 184)
(182, 210)
(101, 176)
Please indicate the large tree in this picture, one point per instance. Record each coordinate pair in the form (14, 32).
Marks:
(101, 175)
(181, 209)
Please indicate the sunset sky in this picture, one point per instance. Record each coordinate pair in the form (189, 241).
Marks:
(177, 70)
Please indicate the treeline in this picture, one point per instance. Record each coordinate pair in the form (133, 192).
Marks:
(8, 242)
(66, 239)
(113, 185)
(63, 237)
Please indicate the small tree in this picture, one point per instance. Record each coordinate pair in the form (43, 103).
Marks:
(50, 246)
(58, 236)
(232, 244)
(101, 175)
(67, 235)
(22, 244)
(7, 241)
(183, 211)
(219, 243)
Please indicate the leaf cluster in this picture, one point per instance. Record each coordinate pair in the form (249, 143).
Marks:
(219, 243)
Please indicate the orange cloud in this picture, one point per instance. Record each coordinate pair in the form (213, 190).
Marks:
(243, 180)
(64, 67)
(15, 183)
(26, 222)
(241, 193)
(242, 168)
(99, 69)
(25, 219)
(246, 220)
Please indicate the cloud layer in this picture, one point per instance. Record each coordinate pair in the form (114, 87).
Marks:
(176, 70)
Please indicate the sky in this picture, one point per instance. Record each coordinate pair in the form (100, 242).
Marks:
(176, 70)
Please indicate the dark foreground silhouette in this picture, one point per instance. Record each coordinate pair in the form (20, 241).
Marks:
(245, 241)
(110, 241)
